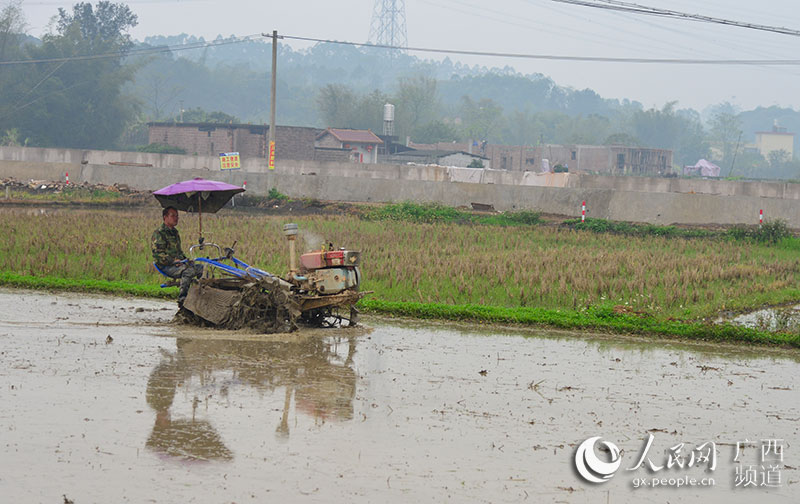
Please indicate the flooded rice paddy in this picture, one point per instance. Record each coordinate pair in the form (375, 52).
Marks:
(104, 401)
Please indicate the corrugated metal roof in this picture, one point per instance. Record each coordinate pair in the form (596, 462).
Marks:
(352, 136)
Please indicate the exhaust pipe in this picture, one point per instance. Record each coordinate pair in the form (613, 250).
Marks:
(290, 230)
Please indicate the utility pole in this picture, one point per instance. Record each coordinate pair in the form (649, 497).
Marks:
(734, 154)
(271, 152)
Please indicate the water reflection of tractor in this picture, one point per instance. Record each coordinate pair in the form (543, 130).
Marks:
(322, 290)
(315, 371)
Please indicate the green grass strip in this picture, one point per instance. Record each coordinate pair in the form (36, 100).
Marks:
(436, 213)
(85, 285)
(595, 318)
(602, 318)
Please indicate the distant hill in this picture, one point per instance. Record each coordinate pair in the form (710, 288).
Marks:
(302, 73)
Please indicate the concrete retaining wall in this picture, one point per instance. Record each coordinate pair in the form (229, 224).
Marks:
(654, 200)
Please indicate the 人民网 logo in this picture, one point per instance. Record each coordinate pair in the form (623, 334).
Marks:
(591, 467)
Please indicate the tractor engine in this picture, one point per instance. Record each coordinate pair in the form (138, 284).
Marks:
(330, 272)
(323, 272)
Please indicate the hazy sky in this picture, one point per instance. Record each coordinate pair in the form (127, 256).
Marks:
(530, 27)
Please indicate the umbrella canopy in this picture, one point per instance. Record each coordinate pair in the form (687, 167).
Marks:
(197, 195)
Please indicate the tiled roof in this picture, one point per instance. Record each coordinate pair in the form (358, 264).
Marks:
(437, 153)
(352, 136)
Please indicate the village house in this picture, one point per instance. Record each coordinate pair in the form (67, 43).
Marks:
(437, 157)
(776, 140)
(605, 159)
(362, 144)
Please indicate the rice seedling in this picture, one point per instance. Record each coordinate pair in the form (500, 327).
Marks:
(510, 268)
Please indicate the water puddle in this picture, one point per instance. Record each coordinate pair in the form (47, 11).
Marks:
(786, 318)
(113, 404)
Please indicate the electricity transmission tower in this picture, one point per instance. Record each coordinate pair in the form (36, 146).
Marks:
(389, 23)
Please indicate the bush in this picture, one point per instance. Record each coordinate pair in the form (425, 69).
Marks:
(771, 231)
(626, 228)
(275, 194)
(159, 148)
(414, 212)
(434, 212)
(526, 217)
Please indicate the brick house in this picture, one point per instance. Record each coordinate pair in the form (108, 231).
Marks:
(362, 144)
(249, 140)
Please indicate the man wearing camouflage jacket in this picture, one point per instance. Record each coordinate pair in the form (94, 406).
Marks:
(168, 255)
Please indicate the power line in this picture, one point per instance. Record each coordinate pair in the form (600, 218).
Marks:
(18, 108)
(138, 52)
(600, 59)
(634, 8)
(547, 57)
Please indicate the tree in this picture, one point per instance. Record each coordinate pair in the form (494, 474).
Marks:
(749, 164)
(434, 132)
(161, 92)
(75, 102)
(480, 119)
(337, 104)
(521, 128)
(198, 115)
(341, 107)
(12, 27)
(726, 130)
(778, 158)
(98, 29)
(369, 111)
(416, 103)
(622, 139)
(11, 138)
(679, 131)
(589, 130)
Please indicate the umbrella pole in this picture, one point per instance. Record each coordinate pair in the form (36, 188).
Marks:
(200, 212)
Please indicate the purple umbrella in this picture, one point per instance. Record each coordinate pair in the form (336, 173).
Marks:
(197, 195)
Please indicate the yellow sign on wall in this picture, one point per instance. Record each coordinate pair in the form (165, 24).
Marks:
(272, 155)
(229, 161)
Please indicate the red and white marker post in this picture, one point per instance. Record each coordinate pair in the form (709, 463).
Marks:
(67, 176)
(760, 217)
(583, 211)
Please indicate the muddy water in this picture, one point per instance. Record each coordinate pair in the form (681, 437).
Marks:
(402, 412)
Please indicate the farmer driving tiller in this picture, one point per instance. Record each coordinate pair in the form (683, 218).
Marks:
(231, 293)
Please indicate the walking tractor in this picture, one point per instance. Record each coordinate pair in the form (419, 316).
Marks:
(322, 290)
